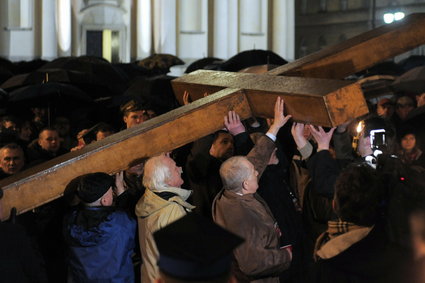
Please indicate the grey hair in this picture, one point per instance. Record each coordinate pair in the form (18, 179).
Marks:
(156, 172)
(233, 172)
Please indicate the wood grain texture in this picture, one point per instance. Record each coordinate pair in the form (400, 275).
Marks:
(321, 102)
(46, 182)
(360, 52)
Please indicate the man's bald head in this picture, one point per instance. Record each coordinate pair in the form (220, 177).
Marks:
(48, 139)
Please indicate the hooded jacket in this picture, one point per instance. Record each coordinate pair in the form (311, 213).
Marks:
(101, 254)
(155, 212)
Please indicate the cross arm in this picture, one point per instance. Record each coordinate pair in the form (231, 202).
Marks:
(360, 52)
(314, 101)
(46, 182)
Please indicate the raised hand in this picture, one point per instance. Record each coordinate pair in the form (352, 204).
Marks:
(322, 138)
(233, 123)
(297, 132)
(279, 119)
(119, 183)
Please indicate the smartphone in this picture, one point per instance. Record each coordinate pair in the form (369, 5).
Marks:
(377, 138)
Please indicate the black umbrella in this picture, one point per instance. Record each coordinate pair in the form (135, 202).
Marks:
(101, 73)
(3, 100)
(24, 67)
(5, 74)
(203, 63)
(160, 63)
(250, 58)
(155, 92)
(52, 75)
(412, 81)
(8, 65)
(384, 68)
(49, 94)
(412, 62)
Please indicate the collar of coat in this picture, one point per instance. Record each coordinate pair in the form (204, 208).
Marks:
(182, 193)
(339, 237)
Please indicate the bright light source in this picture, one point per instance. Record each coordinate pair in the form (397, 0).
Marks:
(398, 16)
(393, 16)
(359, 127)
(388, 18)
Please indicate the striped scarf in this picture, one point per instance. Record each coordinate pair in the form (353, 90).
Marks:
(335, 228)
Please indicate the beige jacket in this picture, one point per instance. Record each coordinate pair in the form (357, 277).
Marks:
(153, 213)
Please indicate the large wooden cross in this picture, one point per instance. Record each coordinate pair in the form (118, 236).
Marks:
(316, 96)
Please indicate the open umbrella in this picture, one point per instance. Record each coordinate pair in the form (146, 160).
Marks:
(250, 58)
(203, 63)
(156, 91)
(3, 99)
(412, 62)
(160, 63)
(23, 67)
(384, 68)
(48, 94)
(101, 73)
(412, 81)
(52, 75)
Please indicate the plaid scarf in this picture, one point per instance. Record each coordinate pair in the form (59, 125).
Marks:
(335, 228)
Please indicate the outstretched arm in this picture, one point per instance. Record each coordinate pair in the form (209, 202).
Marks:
(259, 156)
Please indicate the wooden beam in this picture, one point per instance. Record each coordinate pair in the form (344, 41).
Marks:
(321, 102)
(360, 52)
(46, 182)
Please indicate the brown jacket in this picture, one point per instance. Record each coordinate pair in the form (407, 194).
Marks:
(259, 258)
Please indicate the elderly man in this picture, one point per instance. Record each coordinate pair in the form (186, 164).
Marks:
(240, 210)
(12, 160)
(100, 237)
(46, 147)
(163, 202)
(135, 113)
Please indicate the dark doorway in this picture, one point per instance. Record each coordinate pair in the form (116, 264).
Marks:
(103, 43)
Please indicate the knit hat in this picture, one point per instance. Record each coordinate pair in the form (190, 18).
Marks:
(93, 186)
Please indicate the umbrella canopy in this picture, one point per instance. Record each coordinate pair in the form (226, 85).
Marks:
(156, 92)
(412, 62)
(24, 67)
(5, 74)
(160, 63)
(384, 68)
(47, 94)
(203, 64)
(52, 75)
(101, 72)
(412, 81)
(250, 58)
(3, 97)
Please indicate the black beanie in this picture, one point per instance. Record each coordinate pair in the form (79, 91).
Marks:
(93, 186)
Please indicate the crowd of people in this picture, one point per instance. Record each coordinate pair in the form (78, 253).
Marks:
(306, 204)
